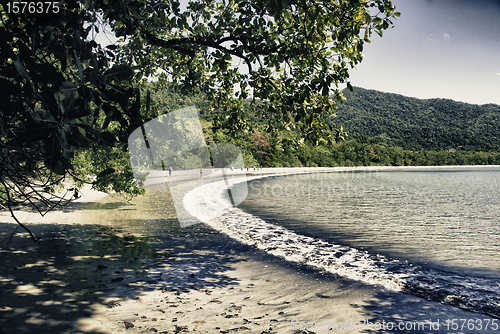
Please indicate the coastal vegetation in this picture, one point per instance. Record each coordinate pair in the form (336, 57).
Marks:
(389, 131)
(69, 102)
(416, 124)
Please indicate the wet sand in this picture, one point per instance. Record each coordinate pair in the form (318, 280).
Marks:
(106, 267)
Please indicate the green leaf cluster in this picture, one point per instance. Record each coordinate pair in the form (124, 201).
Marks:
(60, 95)
(290, 56)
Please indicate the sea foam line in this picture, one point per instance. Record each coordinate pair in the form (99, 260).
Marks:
(475, 293)
(276, 240)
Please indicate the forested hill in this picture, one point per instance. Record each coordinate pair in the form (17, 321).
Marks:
(401, 126)
(411, 123)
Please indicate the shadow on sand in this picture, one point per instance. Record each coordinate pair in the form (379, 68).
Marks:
(96, 255)
(76, 267)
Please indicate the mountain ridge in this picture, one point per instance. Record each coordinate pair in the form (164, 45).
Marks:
(413, 123)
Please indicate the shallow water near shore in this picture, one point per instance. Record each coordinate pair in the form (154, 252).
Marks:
(439, 230)
(448, 218)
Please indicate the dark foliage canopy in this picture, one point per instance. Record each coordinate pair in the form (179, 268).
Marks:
(63, 94)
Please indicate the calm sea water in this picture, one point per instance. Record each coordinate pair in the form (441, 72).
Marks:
(438, 229)
(446, 218)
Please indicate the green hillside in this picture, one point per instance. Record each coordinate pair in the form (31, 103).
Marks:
(385, 129)
(414, 124)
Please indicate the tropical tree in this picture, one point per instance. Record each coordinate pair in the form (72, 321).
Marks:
(59, 96)
(63, 93)
(290, 55)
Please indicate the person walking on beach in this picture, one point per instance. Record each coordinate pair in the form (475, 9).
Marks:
(201, 173)
(170, 171)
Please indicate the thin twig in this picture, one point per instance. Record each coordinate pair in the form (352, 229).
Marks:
(9, 205)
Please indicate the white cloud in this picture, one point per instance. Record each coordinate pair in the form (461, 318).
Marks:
(447, 36)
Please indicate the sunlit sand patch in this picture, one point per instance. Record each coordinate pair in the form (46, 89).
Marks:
(28, 289)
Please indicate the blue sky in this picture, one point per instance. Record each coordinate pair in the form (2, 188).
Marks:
(437, 48)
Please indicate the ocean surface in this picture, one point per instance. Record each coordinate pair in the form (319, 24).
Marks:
(447, 218)
(434, 233)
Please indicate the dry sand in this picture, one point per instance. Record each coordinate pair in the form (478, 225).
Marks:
(106, 267)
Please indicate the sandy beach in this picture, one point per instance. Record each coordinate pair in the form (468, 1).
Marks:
(104, 266)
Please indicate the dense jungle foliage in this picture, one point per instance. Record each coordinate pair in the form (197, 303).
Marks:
(415, 124)
(391, 130)
(69, 104)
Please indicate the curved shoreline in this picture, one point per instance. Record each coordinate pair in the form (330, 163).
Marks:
(200, 281)
(158, 176)
(345, 261)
